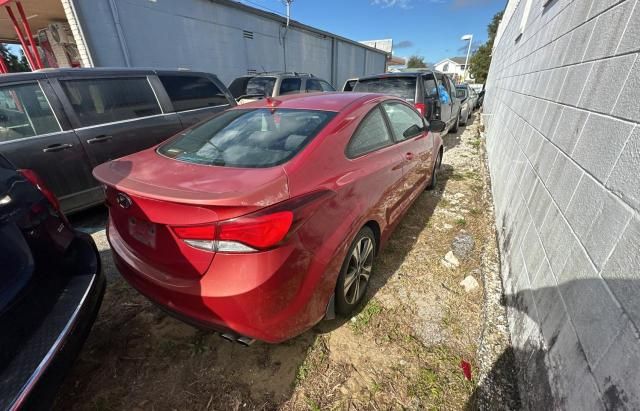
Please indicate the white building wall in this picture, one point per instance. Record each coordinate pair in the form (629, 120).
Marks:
(562, 113)
(216, 37)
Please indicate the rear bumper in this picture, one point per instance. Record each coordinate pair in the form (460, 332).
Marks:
(271, 296)
(32, 378)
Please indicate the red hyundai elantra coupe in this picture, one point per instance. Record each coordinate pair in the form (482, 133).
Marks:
(263, 219)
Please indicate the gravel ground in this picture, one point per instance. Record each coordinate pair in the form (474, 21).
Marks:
(405, 349)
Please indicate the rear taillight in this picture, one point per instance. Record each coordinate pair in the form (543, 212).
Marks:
(35, 179)
(258, 231)
(422, 108)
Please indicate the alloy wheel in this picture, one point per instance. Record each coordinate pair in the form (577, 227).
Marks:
(358, 270)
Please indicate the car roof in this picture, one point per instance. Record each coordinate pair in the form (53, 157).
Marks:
(89, 71)
(278, 74)
(315, 101)
(402, 74)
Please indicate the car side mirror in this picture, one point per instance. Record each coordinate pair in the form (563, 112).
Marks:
(437, 126)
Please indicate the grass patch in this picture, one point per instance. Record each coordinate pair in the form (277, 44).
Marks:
(475, 143)
(445, 203)
(312, 405)
(461, 222)
(363, 319)
(317, 355)
(427, 386)
(465, 175)
(475, 212)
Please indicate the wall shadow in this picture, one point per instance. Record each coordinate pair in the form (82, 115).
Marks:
(548, 360)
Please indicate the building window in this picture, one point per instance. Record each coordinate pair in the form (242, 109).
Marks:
(445, 68)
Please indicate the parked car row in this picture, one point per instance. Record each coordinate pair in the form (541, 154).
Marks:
(257, 221)
(468, 100)
(254, 87)
(64, 122)
(433, 93)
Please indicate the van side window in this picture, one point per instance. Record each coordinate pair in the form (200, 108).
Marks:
(313, 86)
(105, 100)
(326, 87)
(192, 92)
(430, 89)
(290, 86)
(25, 112)
(372, 134)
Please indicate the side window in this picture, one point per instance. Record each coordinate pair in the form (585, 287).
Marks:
(430, 87)
(349, 85)
(443, 89)
(405, 122)
(105, 100)
(192, 92)
(290, 86)
(326, 86)
(25, 112)
(313, 86)
(451, 85)
(372, 134)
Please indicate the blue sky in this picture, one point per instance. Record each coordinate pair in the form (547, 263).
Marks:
(430, 28)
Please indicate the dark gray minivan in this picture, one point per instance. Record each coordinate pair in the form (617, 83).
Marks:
(64, 122)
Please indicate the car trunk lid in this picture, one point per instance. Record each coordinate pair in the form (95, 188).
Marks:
(150, 195)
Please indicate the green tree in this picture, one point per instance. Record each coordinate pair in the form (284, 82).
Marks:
(481, 60)
(416, 62)
(14, 63)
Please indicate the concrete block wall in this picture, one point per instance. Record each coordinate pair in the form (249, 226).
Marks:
(562, 111)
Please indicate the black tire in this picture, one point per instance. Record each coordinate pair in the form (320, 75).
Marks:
(434, 176)
(456, 125)
(347, 300)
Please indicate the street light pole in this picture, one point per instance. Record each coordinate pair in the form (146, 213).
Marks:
(466, 63)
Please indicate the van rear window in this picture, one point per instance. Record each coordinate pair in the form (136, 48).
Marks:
(255, 138)
(403, 87)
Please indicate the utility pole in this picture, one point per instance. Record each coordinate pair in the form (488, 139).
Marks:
(287, 3)
(466, 63)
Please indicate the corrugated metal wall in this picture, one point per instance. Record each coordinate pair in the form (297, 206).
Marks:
(215, 37)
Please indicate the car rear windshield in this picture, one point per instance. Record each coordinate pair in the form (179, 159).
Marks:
(255, 138)
(403, 87)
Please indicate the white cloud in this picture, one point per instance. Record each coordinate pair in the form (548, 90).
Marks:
(403, 4)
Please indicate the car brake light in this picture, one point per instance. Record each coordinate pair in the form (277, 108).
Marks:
(258, 231)
(35, 179)
(422, 108)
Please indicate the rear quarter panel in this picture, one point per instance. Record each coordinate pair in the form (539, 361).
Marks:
(366, 190)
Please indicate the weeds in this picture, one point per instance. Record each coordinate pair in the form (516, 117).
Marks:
(363, 319)
(461, 222)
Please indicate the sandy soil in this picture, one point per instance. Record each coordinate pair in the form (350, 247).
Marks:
(401, 351)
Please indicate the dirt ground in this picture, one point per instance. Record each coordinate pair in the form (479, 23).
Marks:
(401, 351)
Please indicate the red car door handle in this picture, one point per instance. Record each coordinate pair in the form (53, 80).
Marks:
(409, 156)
